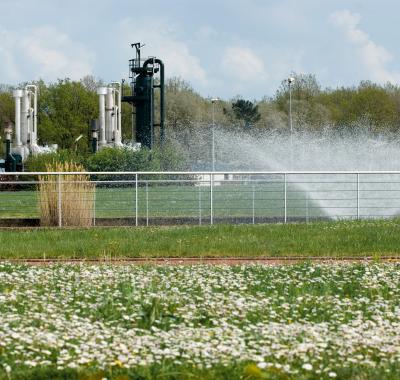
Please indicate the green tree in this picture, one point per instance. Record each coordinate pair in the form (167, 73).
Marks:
(368, 106)
(246, 112)
(307, 112)
(65, 109)
(6, 107)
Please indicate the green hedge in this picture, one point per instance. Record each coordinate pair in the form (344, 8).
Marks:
(115, 160)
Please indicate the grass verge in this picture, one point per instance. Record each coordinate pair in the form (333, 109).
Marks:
(336, 239)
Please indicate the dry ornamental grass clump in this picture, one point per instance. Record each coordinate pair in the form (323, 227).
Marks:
(66, 200)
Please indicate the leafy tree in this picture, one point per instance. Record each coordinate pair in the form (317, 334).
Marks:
(6, 113)
(367, 106)
(184, 109)
(271, 117)
(305, 87)
(65, 111)
(246, 112)
(307, 112)
(6, 107)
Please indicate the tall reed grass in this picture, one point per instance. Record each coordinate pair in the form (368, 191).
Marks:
(66, 200)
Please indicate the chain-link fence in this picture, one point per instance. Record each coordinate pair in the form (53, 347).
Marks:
(168, 198)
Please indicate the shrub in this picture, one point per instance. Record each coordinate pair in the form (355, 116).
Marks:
(171, 158)
(121, 160)
(41, 162)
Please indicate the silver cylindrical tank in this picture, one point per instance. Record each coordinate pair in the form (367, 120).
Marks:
(110, 115)
(25, 105)
(102, 91)
(33, 115)
(17, 96)
(117, 113)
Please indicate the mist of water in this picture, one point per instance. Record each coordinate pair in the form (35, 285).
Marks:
(307, 152)
(336, 195)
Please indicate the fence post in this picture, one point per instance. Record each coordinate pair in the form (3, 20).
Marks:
(285, 184)
(307, 211)
(147, 204)
(358, 196)
(136, 200)
(59, 200)
(200, 205)
(253, 204)
(211, 198)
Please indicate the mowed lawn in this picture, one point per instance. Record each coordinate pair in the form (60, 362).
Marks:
(260, 200)
(335, 239)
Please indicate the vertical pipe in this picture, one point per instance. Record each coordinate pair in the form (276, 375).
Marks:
(33, 112)
(136, 201)
(94, 131)
(34, 118)
(109, 117)
(59, 200)
(17, 96)
(119, 116)
(147, 204)
(152, 131)
(358, 196)
(211, 199)
(102, 91)
(117, 86)
(285, 184)
(24, 117)
(162, 101)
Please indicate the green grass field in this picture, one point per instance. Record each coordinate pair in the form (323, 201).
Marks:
(364, 238)
(265, 200)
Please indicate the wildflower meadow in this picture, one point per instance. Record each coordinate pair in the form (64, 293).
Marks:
(303, 321)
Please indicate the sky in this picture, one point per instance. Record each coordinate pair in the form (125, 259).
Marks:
(223, 48)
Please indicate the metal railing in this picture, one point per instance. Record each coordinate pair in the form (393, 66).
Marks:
(158, 198)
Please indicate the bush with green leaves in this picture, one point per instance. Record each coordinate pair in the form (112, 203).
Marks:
(122, 160)
(38, 162)
(114, 160)
(125, 159)
(171, 158)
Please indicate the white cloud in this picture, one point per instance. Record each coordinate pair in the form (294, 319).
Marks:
(161, 37)
(243, 64)
(374, 57)
(42, 52)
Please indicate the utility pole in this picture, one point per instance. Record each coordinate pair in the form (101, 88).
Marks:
(213, 101)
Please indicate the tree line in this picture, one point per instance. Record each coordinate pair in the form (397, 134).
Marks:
(66, 107)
